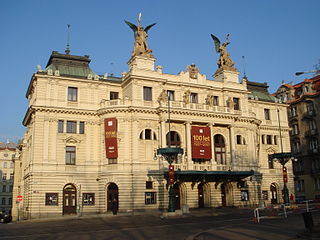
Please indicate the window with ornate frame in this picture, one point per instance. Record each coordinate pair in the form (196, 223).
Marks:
(88, 199)
(51, 199)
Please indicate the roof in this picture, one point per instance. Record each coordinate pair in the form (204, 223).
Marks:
(10, 145)
(259, 91)
(212, 176)
(69, 65)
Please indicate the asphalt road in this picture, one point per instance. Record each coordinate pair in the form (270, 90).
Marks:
(229, 224)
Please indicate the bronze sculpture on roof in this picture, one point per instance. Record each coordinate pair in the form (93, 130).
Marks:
(140, 38)
(224, 62)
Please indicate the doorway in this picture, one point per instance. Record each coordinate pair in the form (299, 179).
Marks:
(200, 195)
(69, 200)
(112, 196)
(176, 195)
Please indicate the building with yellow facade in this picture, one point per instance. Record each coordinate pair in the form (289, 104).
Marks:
(91, 144)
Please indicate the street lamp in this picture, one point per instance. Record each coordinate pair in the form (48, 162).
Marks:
(283, 158)
(170, 154)
(312, 71)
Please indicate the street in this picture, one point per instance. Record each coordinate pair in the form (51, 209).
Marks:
(199, 225)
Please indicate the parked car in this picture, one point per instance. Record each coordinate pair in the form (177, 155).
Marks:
(5, 218)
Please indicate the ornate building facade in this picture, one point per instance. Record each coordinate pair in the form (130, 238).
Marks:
(7, 154)
(91, 141)
(303, 114)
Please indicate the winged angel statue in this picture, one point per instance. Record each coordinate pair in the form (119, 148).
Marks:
(140, 38)
(225, 62)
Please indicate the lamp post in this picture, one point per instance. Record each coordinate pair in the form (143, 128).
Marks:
(170, 154)
(283, 158)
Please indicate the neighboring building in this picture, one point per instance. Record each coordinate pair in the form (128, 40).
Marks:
(304, 120)
(7, 153)
(92, 140)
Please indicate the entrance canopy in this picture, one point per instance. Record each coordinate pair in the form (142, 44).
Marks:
(211, 176)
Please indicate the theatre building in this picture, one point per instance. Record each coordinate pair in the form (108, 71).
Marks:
(91, 141)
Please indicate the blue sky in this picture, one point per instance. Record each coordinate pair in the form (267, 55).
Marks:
(277, 38)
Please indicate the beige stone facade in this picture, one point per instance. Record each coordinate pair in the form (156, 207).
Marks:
(7, 154)
(64, 167)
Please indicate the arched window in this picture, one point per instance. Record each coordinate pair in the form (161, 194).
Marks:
(148, 134)
(173, 139)
(219, 149)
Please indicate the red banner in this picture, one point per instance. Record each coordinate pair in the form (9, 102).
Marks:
(110, 128)
(201, 142)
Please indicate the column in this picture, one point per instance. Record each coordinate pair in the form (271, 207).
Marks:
(188, 149)
(163, 133)
(232, 146)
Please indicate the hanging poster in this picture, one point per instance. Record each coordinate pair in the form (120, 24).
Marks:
(110, 127)
(201, 142)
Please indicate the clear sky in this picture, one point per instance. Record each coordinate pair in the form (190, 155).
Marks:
(277, 38)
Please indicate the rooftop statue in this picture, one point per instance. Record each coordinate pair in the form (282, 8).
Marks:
(140, 38)
(224, 62)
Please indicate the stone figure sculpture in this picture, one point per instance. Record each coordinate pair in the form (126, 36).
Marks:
(224, 62)
(186, 97)
(140, 38)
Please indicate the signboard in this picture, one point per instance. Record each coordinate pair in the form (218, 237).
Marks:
(110, 128)
(19, 198)
(201, 142)
(171, 174)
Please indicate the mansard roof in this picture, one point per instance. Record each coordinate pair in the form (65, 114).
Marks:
(259, 91)
(69, 65)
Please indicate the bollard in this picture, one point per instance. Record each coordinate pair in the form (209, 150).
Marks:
(308, 220)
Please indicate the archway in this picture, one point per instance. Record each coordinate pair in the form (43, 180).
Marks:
(173, 139)
(274, 193)
(112, 197)
(69, 199)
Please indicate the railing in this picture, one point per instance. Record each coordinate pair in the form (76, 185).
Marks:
(173, 104)
(212, 167)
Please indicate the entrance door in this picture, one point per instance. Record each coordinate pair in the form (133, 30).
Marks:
(223, 195)
(176, 195)
(112, 196)
(69, 200)
(274, 195)
(200, 195)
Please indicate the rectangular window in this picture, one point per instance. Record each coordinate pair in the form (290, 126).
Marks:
(275, 140)
(72, 94)
(70, 155)
(60, 126)
(10, 201)
(147, 134)
(88, 199)
(264, 195)
(194, 97)
(11, 164)
(269, 139)
(215, 101)
(81, 127)
(112, 160)
(295, 129)
(4, 188)
(317, 183)
(52, 199)
(270, 161)
(4, 176)
(114, 95)
(170, 94)
(263, 139)
(71, 127)
(3, 201)
(10, 188)
(149, 185)
(267, 114)
(238, 139)
(236, 103)
(147, 93)
(244, 195)
(150, 198)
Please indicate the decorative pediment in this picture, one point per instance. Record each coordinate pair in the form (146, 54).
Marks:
(270, 150)
(72, 140)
